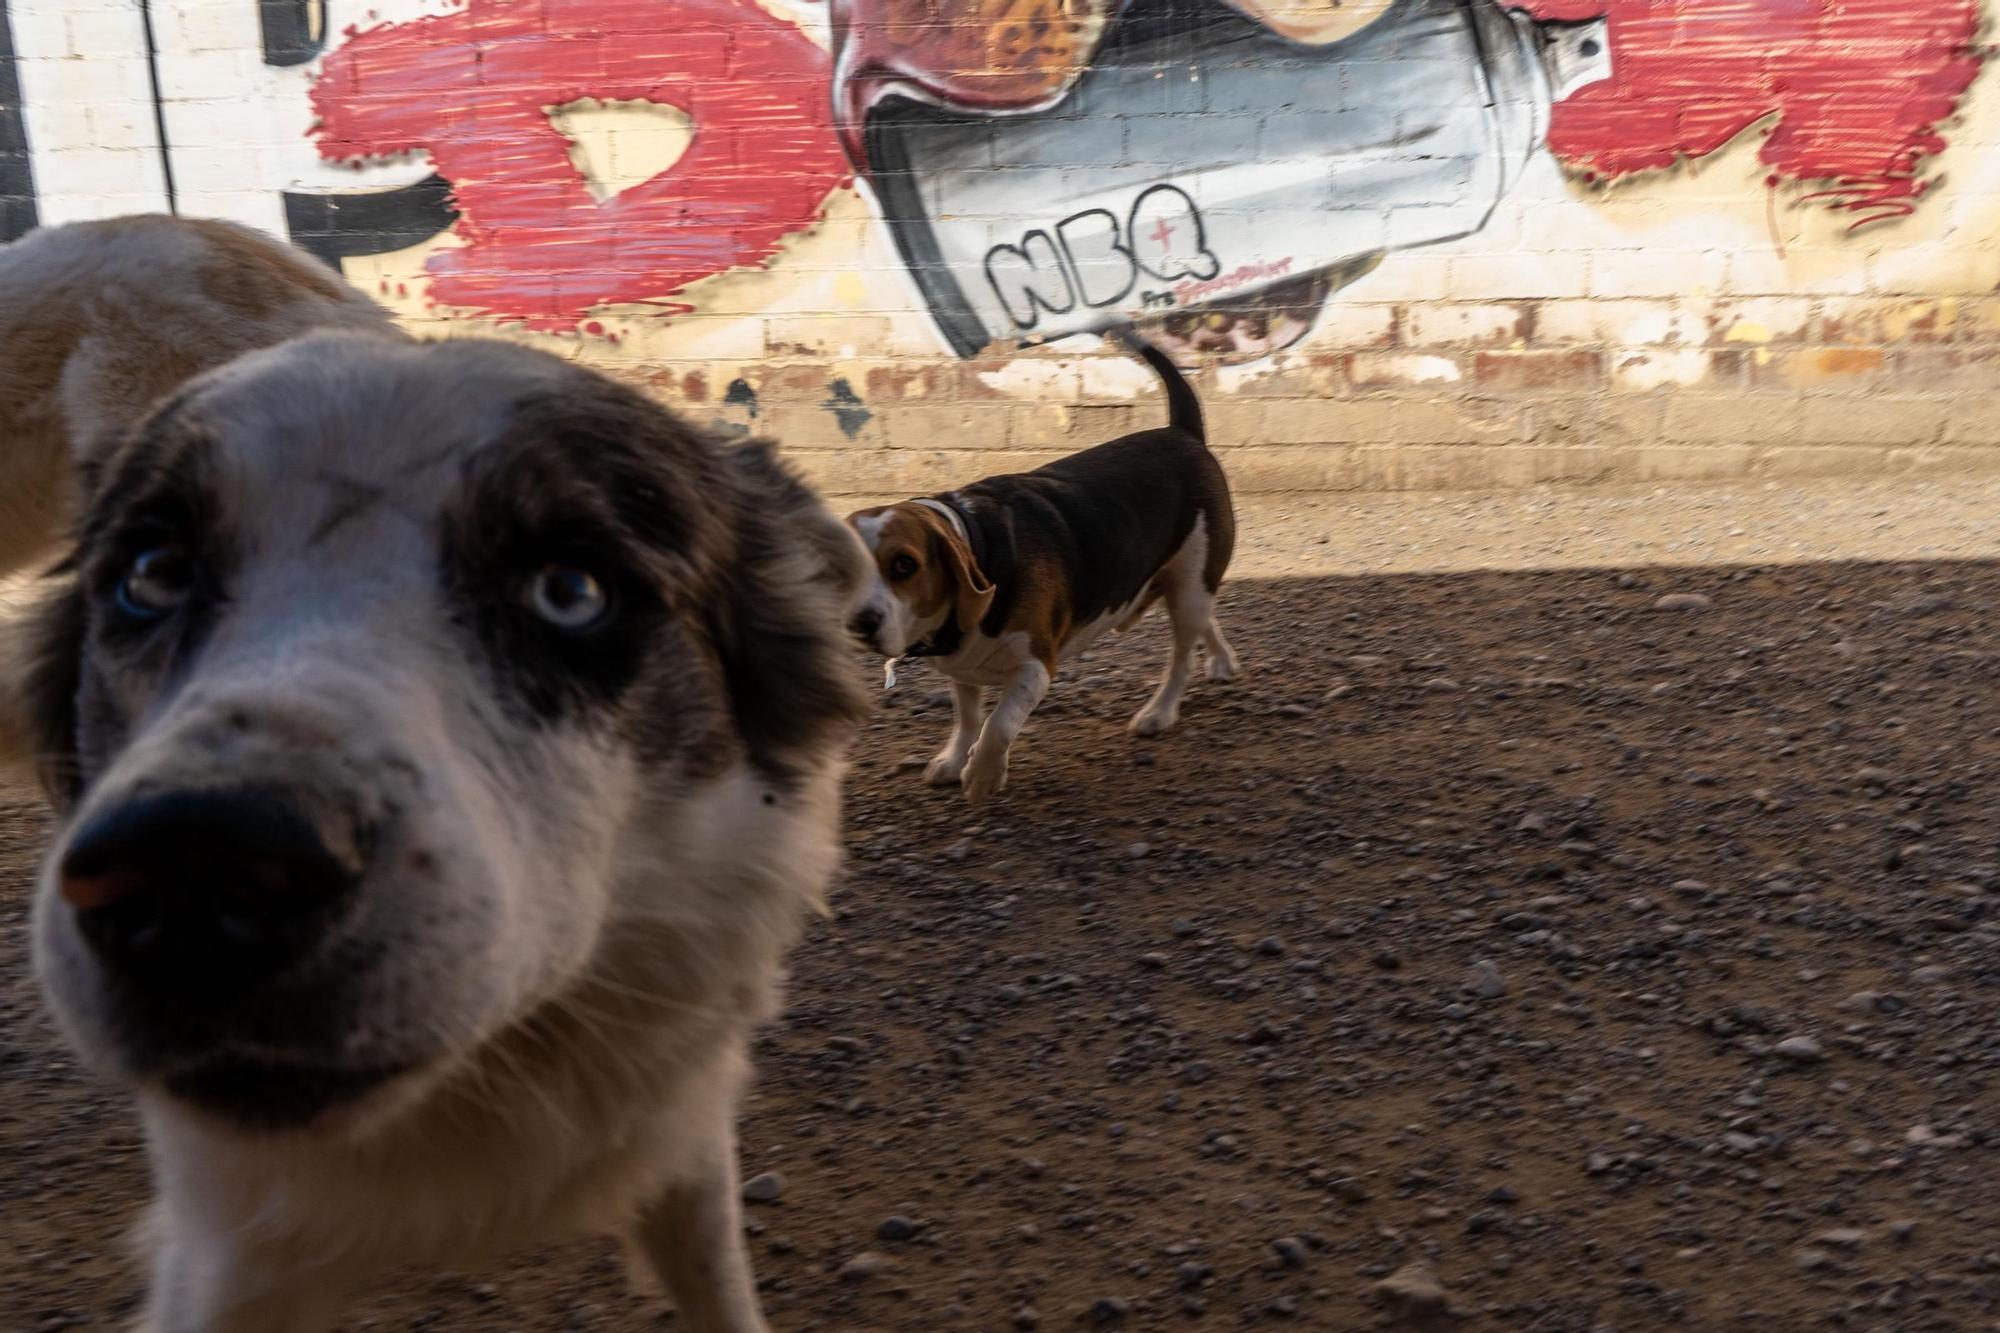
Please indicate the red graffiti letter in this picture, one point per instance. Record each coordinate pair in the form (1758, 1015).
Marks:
(1860, 88)
(472, 89)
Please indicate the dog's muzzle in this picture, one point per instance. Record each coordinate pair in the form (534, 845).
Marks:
(865, 624)
(204, 894)
(219, 920)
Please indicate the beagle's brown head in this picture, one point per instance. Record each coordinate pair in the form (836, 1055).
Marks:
(924, 575)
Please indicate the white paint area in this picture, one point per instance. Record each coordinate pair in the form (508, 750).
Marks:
(616, 145)
(238, 130)
(1657, 366)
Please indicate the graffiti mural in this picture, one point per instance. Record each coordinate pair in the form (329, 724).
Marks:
(1200, 154)
(1860, 90)
(472, 90)
(204, 108)
(1216, 170)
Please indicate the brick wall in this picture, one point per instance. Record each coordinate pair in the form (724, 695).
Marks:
(1409, 243)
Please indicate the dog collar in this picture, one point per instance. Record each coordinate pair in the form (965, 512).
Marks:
(946, 640)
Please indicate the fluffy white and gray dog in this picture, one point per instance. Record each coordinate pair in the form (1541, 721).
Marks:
(447, 744)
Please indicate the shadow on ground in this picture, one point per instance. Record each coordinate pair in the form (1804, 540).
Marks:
(1727, 1059)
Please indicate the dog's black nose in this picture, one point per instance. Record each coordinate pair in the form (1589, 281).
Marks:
(205, 891)
(865, 622)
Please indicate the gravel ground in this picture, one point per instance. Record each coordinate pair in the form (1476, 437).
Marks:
(1503, 950)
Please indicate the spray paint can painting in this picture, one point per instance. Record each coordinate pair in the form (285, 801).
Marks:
(1184, 154)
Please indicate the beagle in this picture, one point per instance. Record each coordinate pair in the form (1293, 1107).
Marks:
(1002, 581)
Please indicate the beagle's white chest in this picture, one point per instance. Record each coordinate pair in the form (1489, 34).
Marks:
(980, 660)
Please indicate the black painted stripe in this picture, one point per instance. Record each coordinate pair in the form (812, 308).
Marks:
(18, 211)
(159, 104)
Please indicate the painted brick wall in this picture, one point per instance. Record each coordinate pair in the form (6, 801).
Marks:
(1409, 243)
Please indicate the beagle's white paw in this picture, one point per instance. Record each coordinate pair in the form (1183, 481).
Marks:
(945, 769)
(1154, 721)
(982, 779)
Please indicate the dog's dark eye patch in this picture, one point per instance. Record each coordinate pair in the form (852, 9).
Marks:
(595, 478)
(490, 567)
(160, 498)
(516, 524)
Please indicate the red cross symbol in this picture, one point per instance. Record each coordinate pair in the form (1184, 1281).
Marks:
(1161, 234)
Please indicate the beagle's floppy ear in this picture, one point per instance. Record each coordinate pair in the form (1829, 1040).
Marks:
(975, 594)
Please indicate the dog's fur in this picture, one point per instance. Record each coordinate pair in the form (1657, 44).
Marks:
(577, 858)
(1001, 581)
(101, 320)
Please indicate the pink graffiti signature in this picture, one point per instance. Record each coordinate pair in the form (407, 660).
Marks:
(1859, 89)
(473, 88)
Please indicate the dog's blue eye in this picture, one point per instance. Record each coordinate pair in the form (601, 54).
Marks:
(156, 583)
(568, 598)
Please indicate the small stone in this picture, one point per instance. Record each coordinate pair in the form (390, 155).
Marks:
(1812, 1260)
(767, 1188)
(1291, 1251)
(1930, 976)
(1387, 961)
(1683, 601)
(1027, 1317)
(1903, 1231)
(1800, 1050)
(1153, 961)
(862, 1266)
(1441, 685)
(1411, 1292)
(959, 850)
(1485, 981)
(1110, 1310)
(1271, 946)
(1138, 849)
(1842, 1238)
(1293, 710)
(898, 1227)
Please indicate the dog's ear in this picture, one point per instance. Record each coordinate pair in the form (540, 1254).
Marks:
(796, 573)
(975, 592)
(41, 670)
(835, 560)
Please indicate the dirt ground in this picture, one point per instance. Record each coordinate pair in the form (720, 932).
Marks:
(1626, 967)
